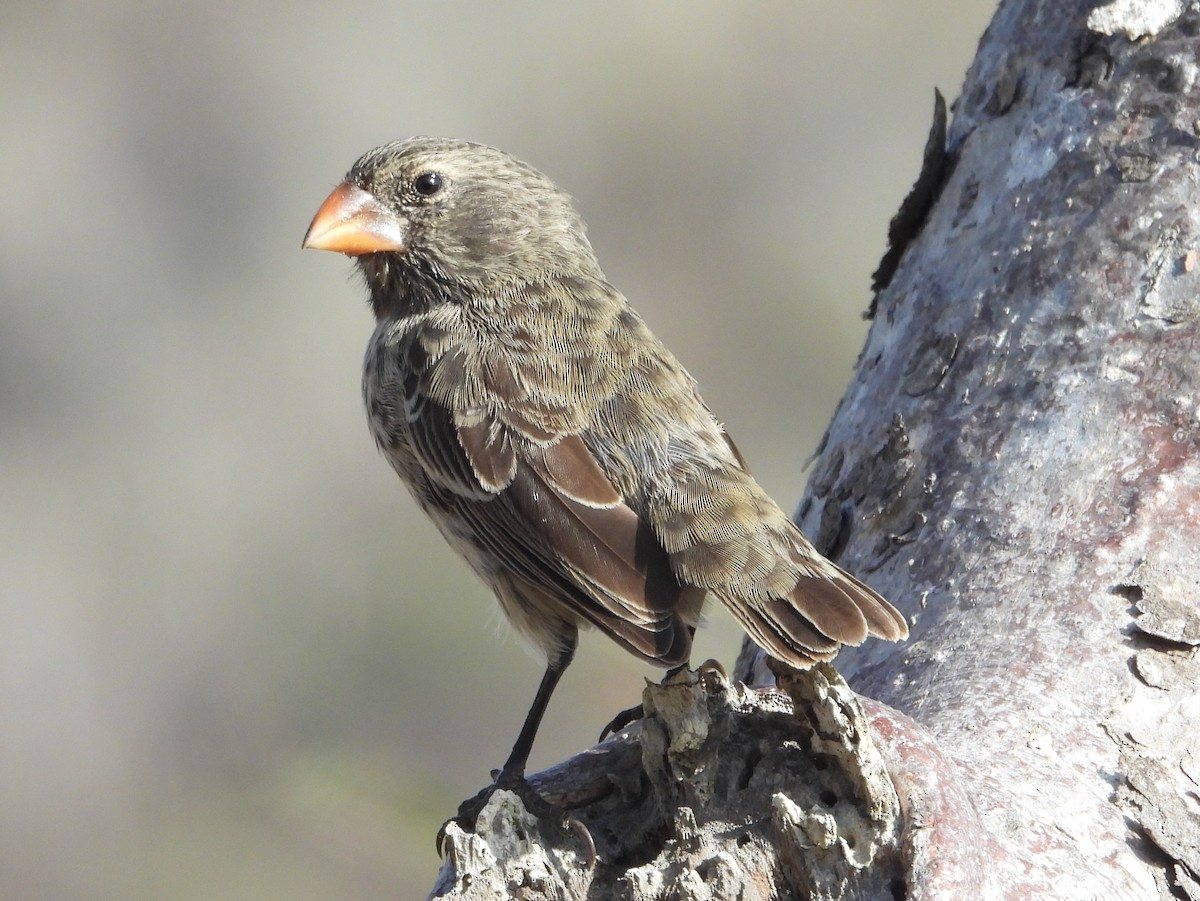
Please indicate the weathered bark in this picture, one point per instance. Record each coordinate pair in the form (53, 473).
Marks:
(1015, 465)
(719, 792)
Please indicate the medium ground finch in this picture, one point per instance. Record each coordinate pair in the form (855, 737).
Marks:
(555, 442)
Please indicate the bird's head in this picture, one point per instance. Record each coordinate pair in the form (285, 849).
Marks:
(435, 216)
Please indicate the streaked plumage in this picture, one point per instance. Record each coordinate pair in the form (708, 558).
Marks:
(558, 445)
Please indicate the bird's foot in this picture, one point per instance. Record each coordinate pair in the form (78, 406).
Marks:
(535, 804)
(621, 720)
(633, 714)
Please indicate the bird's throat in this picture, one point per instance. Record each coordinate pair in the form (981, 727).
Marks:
(399, 288)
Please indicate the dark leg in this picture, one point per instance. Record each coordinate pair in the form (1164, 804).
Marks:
(511, 776)
(514, 767)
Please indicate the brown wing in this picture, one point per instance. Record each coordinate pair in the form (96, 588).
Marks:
(726, 535)
(550, 518)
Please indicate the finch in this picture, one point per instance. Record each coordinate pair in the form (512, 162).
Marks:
(553, 439)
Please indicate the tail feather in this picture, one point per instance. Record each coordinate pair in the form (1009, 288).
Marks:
(830, 607)
(783, 633)
(883, 620)
(820, 615)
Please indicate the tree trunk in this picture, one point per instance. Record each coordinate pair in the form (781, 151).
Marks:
(1015, 466)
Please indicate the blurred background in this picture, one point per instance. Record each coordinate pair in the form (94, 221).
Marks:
(235, 662)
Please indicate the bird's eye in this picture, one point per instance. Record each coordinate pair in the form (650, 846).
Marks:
(428, 183)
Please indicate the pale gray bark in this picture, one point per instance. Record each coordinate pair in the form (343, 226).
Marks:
(1016, 466)
(720, 792)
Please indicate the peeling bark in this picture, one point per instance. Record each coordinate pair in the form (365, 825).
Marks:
(1016, 465)
(720, 791)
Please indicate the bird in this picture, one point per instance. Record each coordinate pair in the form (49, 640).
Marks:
(554, 441)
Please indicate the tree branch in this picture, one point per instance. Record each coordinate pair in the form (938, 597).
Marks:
(1015, 465)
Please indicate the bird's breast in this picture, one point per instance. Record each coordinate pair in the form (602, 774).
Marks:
(390, 390)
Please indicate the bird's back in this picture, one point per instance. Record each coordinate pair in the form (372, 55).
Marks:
(537, 374)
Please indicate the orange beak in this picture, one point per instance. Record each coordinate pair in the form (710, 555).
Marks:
(353, 221)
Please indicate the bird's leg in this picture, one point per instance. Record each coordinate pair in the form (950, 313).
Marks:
(513, 771)
(511, 776)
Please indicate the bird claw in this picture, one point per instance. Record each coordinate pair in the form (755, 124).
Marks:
(469, 810)
(439, 841)
(633, 714)
(621, 720)
(585, 837)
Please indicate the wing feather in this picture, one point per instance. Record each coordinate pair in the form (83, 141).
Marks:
(549, 518)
